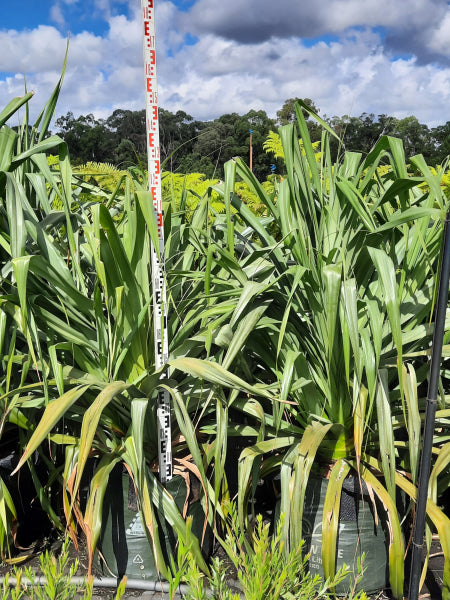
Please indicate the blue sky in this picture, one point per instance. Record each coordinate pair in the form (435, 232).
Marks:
(78, 16)
(348, 56)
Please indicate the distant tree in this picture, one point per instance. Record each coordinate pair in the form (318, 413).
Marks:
(287, 114)
(88, 139)
(128, 127)
(441, 139)
(359, 134)
(416, 137)
(177, 134)
(387, 124)
(194, 146)
(229, 136)
(71, 131)
(197, 163)
(213, 140)
(126, 154)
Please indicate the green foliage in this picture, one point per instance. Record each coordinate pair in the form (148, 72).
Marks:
(58, 574)
(178, 189)
(23, 190)
(331, 313)
(178, 134)
(274, 146)
(360, 134)
(106, 176)
(186, 192)
(446, 184)
(88, 138)
(263, 568)
(187, 146)
(54, 582)
(78, 379)
(299, 318)
(78, 376)
(191, 146)
(105, 182)
(229, 136)
(441, 137)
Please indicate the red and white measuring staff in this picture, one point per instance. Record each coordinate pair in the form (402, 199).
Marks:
(158, 275)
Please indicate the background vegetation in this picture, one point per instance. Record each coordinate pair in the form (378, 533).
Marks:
(205, 146)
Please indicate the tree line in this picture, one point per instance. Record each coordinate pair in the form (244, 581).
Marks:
(189, 145)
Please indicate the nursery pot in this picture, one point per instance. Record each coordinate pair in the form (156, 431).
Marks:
(123, 543)
(358, 534)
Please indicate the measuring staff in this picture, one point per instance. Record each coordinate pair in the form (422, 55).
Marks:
(157, 256)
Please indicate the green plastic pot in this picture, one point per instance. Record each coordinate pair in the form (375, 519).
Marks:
(124, 546)
(359, 533)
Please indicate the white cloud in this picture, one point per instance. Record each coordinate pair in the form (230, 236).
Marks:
(440, 38)
(57, 12)
(101, 72)
(352, 74)
(39, 50)
(56, 15)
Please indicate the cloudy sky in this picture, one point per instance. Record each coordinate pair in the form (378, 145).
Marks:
(217, 56)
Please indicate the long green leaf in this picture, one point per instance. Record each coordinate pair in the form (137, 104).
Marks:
(386, 432)
(330, 517)
(92, 520)
(216, 374)
(52, 414)
(396, 548)
(89, 425)
(13, 106)
(386, 271)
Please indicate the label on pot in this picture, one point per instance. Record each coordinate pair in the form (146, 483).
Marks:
(135, 527)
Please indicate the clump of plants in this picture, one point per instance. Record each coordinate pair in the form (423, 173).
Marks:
(330, 300)
(55, 581)
(78, 382)
(263, 569)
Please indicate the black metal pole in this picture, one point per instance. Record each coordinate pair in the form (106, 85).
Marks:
(430, 415)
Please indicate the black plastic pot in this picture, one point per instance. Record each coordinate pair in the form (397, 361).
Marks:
(123, 542)
(33, 524)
